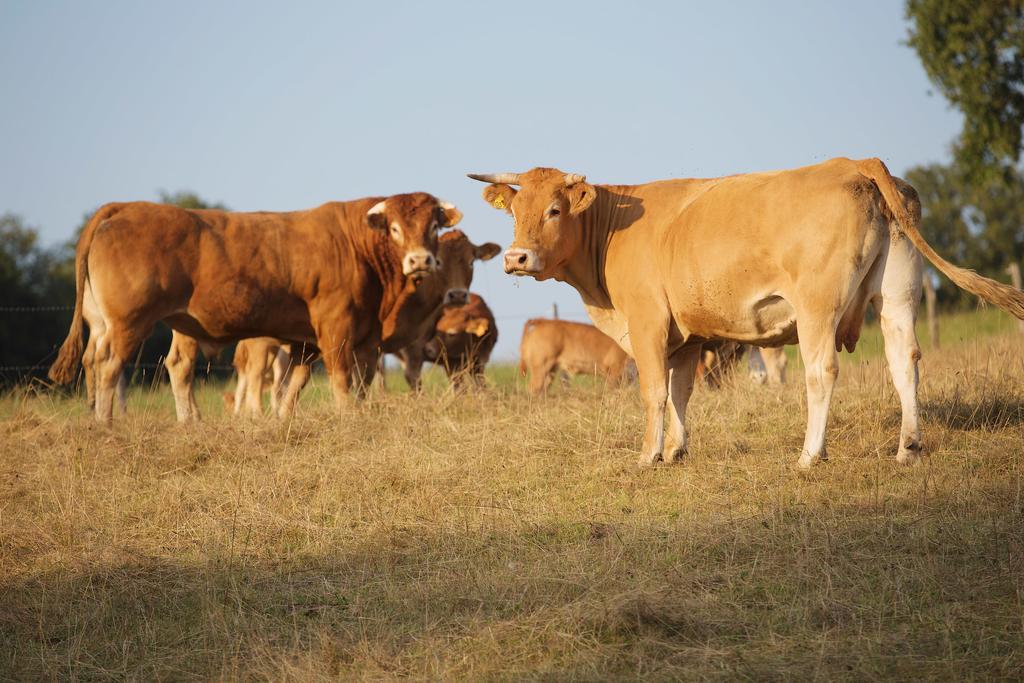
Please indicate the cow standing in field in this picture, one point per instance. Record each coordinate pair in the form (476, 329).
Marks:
(551, 347)
(260, 362)
(320, 276)
(463, 340)
(665, 266)
(406, 325)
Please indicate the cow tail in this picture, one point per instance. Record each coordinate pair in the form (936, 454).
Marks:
(1008, 298)
(64, 368)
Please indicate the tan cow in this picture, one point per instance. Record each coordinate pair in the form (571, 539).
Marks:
(463, 340)
(551, 347)
(666, 266)
(260, 363)
(320, 276)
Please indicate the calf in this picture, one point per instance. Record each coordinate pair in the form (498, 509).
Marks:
(551, 346)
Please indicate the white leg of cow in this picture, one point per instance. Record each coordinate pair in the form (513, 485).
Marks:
(254, 373)
(774, 359)
(89, 368)
(181, 365)
(240, 390)
(897, 309)
(680, 382)
(817, 346)
(298, 375)
(648, 341)
(282, 360)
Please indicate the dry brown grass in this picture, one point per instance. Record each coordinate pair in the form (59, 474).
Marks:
(492, 536)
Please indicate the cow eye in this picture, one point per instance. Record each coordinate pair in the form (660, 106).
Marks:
(553, 212)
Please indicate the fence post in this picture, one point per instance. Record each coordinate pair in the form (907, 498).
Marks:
(929, 307)
(1014, 270)
(554, 311)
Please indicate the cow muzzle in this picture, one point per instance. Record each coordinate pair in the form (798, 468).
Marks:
(420, 261)
(522, 261)
(456, 297)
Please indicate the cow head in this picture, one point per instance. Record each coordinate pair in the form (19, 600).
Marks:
(457, 255)
(546, 210)
(411, 223)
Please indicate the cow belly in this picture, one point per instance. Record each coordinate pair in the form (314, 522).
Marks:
(768, 320)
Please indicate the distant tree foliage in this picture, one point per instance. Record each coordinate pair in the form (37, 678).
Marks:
(978, 225)
(36, 282)
(30, 289)
(973, 51)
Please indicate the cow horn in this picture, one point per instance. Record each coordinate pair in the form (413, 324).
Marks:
(498, 178)
(573, 178)
(377, 208)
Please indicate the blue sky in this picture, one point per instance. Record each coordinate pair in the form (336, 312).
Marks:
(263, 106)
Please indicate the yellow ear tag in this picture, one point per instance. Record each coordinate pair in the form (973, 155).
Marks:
(499, 202)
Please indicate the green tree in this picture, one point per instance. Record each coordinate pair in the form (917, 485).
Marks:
(977, 225)
(30, 301)
(973, 51)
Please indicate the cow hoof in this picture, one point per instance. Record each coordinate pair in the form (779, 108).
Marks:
(676, 455)
(909, 455)
(649, 460)
(806, 461)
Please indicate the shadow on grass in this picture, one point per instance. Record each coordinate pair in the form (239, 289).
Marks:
(884, 588)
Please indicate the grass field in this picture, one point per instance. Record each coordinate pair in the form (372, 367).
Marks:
(495, 536)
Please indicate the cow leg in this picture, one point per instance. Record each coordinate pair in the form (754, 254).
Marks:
(255, 370)
(298, 376)
(364, 367)
(817, 347)
(279, 371)
(775, 364)
(240, 390)
(412, 359)
(112, 351)
(897, 309)
(89, 369)
(649, 339)
(540, 378)
(181, 366)
(680, 381)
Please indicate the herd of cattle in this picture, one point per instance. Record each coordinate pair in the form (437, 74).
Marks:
(672, 273)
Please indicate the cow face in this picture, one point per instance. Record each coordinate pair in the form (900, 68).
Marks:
(457, 255)
(546, 211)
(411, 223)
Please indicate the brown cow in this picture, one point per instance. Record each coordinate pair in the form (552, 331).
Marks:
(411, 318)
(665, 266)
(412, 324)
(320, 276)
(463, 340)
(550, 347)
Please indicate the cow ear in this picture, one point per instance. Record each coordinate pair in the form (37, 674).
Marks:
(376, 217)
(580, 196)
(450, 216)
(500, 196)
(478, 327)
(486, 251)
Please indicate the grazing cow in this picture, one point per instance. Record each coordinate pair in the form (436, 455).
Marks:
(463, 340)
(665, 266)
(768, 364)
(320, 276)
(551, 347)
